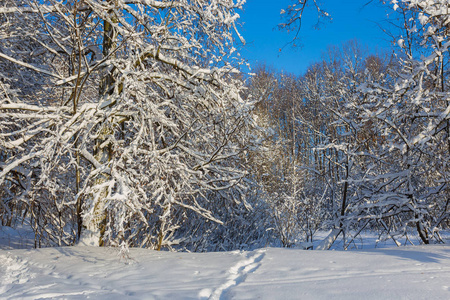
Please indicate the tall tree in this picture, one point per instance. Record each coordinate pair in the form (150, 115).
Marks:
(140, 121)
(414, 117)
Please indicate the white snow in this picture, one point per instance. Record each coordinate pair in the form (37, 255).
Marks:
(412, 272)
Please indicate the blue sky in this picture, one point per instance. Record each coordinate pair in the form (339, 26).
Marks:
(350, 20)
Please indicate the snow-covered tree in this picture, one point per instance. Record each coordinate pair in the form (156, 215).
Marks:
(411, 190)
(295, 208)
(136, 119)
(391, 126)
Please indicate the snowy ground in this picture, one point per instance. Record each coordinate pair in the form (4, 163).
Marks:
(413, 272)
(417, 272)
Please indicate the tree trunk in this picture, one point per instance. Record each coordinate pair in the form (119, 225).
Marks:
(95, 227)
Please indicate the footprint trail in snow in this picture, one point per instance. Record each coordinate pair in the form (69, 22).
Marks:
(238, 274)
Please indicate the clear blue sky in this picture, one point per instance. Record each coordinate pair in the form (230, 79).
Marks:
(350, 19)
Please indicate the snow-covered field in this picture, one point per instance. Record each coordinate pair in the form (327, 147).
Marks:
(414, 272)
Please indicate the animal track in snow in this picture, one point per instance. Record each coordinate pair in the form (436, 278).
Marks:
(238, 274)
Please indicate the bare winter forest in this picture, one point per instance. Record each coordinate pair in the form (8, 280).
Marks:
(132, 123)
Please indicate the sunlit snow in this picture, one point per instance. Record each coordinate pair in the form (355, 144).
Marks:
(411, 272)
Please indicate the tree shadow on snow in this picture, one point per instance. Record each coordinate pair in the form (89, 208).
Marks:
(418, 255)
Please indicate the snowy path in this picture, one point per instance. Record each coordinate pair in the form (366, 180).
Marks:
(238, 273)
(421, 272)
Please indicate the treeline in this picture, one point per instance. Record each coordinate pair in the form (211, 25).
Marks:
(347, 148)
(129, 124)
